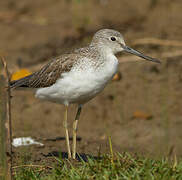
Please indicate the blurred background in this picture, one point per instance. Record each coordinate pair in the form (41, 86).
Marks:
(142, 111)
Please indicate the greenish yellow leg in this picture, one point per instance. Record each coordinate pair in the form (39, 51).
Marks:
(66, 131)
(75, 123)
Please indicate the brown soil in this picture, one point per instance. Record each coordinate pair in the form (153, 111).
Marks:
(33, 32)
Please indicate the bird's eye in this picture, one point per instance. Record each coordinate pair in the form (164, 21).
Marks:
(113, 39)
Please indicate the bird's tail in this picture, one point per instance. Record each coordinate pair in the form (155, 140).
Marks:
(23, 82)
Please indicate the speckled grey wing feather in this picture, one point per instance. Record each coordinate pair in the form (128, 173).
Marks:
(48, 74)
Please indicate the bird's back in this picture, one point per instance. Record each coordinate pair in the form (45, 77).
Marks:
(49, 73)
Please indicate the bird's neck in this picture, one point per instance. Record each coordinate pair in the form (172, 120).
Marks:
(103, 50)
(105, 57)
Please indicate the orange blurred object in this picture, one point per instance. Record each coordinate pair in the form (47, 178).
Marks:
(141, 115)
(20, 74)
(117, 77)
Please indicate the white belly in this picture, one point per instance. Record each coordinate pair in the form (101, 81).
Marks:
(79, 85)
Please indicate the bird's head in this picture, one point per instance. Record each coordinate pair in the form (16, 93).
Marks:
(113, 41)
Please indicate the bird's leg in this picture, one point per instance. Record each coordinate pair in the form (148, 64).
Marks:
(75, 123)
(66, 131)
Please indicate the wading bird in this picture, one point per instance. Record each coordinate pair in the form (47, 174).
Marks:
(77, 77)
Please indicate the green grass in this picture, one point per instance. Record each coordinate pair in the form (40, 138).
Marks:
(119, 166)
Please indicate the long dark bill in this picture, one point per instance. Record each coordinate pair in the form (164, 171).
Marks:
(137, 53)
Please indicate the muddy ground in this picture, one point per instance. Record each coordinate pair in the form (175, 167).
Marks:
(33, 32)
